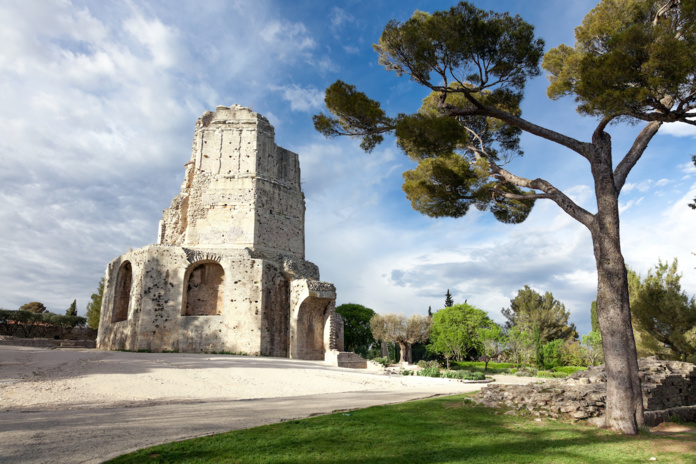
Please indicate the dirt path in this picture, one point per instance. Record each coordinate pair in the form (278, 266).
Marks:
(86, 405)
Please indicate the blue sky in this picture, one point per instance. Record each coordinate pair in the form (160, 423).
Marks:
(99, 102)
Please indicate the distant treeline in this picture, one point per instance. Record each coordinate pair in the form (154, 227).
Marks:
(38, 325)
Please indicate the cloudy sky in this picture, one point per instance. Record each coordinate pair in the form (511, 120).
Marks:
(99, 102)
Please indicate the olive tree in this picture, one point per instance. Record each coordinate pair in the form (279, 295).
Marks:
(634, 61)
(395, 328)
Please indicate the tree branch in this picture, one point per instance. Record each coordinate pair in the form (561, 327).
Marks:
(639, 145)
(550, 192)
(581, 148)
(533, 196)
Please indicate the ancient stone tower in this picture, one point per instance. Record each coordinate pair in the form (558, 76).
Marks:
(228, 271)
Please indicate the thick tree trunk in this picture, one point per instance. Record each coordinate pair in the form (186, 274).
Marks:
(403, 347)
(624, 411)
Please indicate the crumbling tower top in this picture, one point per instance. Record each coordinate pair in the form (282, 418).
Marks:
(241, 190)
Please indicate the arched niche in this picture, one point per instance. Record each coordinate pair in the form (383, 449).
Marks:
(122, 293)
(204, 289)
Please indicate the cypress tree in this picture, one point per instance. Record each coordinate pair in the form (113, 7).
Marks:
(448, 299)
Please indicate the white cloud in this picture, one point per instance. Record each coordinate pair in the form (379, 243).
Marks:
(160, 40)
(642, 186)
(662, 182)
(688, 168)
(339, 18)
(287, 37)
(96, 123)
(301, 99)
(679, 129)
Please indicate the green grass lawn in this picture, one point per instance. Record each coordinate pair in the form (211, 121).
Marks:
(440, 430)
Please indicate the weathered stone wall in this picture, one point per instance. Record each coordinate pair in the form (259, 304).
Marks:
(669, 388)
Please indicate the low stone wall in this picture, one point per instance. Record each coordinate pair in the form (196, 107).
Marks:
(46, 342)
(669, 390)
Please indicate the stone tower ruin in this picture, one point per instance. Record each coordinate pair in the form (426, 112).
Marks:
(228, 271)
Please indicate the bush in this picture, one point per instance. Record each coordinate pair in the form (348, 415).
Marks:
(479, 364)
(545, 374)
(424, 364)
(468, 375)
(386, 362)
(569, 369)
(560, 375)
(552, 354)
(526, 372)
(430, 372)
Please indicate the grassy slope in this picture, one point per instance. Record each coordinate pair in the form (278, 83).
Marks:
(441, 430)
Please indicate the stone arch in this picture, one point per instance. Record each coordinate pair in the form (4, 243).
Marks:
(204, 289)
(312, 319)
(122, 293)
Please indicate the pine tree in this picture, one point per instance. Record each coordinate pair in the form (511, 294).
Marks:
(72, 310)
(448, 299)
(94, 306)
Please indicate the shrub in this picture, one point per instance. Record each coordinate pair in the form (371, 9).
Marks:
(430, 372)
(552, 354)
(468, 375)
(560, 375)
(569, 369)
(545, 374)
(386, 362)
(424, 364)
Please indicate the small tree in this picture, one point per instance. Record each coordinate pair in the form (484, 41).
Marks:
(552, 354)
(27, 321)
(531, 311)
(72, 310)
(520, 345)
(448, 299)
(592, 343)
(66, 324)
(573, 353)
(7, 322)
(33, 307)
(492, 342)
(356, 327)
(418, 330)
(397, 329)
(94, 306)
(455, 331)
(665, 313)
